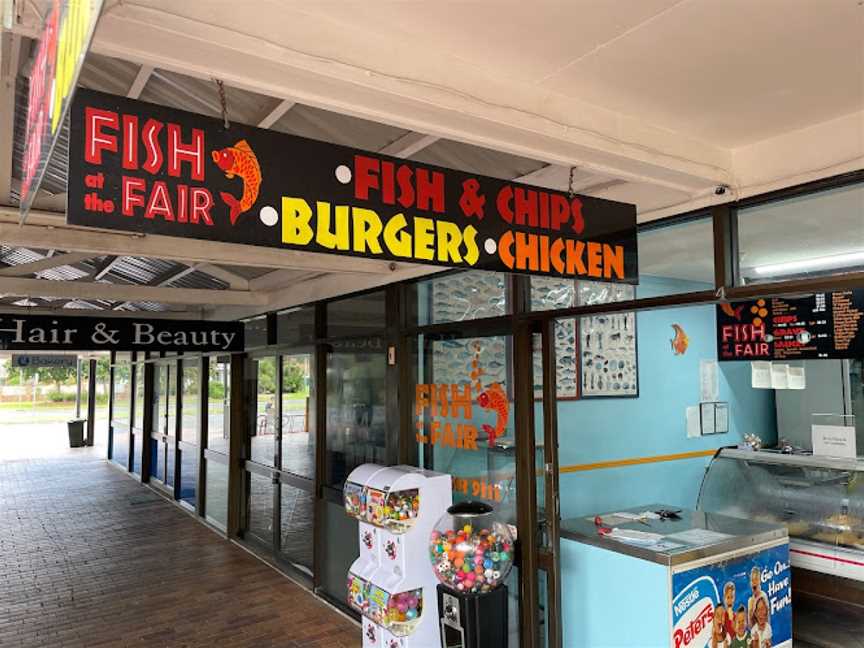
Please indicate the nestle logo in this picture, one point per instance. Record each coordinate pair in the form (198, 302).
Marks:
(682, 605)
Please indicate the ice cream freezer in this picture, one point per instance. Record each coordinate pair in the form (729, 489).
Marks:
(688, 580)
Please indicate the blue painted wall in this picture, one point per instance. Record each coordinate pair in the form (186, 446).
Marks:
(595, 430)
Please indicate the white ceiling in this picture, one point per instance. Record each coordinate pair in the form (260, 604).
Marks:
(654, 102)
(728, 72)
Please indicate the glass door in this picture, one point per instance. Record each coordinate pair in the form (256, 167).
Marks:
(464, 420)
(280, 471)
(356, 422)
(218, 403)
(188, 444)
(163, 435)
(545, 370)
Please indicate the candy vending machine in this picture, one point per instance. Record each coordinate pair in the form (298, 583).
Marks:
(392, 584)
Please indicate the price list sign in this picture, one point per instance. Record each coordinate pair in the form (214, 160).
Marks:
(823, 325)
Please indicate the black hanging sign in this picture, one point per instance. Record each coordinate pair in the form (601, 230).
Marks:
(145, 168)
(22, 332)
(822, 325)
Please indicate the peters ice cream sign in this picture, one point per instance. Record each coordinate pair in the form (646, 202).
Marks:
(140, 167)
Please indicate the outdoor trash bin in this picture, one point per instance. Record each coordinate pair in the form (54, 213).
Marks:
(76, 433)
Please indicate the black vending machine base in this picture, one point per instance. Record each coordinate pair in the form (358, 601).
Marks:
(473, 620)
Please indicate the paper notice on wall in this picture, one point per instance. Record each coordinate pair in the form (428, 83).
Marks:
(708, 383)
(694, 426)
(797, 378)
(834, 441)
(760, 375)
(779, 376)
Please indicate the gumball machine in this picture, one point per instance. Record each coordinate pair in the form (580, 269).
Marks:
(471, 550)
(391, 584)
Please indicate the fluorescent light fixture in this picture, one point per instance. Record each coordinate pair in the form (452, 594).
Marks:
(815, 263)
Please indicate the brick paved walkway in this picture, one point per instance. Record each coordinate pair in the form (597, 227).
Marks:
(90, 558)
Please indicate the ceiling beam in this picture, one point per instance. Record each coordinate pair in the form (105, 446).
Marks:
(444, 97)
(140, 80)
(115, 292)
(409, 144)
(105, 266)
(234, 280)
(276, 114)
(45, 230)
(47, 263)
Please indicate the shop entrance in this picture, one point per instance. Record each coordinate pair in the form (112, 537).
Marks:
(483, 410)
(280, 469)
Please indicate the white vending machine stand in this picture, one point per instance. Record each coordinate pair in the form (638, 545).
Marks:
(392, 583)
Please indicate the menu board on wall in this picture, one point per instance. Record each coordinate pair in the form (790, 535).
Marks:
(140, 167)
(822, 325)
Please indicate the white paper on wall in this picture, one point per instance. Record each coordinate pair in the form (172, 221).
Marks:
(760, 375)
(708, 381)
(780, 376)
(797, 378)
(694, 428)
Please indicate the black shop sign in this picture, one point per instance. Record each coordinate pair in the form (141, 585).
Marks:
(822, 325)
(58, 333)
(139, 167)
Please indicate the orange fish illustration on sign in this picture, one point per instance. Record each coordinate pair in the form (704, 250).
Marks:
(495, 399)
(239, 160)
(680, 342)
(732, 312)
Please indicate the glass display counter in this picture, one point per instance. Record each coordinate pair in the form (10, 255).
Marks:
(820, 500)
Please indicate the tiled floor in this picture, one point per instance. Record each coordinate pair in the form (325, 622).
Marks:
(90, 558)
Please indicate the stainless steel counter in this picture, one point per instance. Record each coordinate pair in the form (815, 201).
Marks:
(739, 534)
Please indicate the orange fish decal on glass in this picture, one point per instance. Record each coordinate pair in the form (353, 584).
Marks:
(495, 399)
(680, 342)
(492, 398)
(239, 160)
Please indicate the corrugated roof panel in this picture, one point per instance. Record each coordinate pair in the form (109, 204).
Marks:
(140, 270)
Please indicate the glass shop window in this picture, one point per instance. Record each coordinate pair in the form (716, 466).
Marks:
(122, 413)
(459, 297)
(676, 257)
(218, 405)
(357, 316)
(296, 327)
(191, 402)
(464, 416)
(298, 415)
(256, 332)
(138, 412)
(356, 414)
(262, 437)
(805, 236)
(651, 393)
